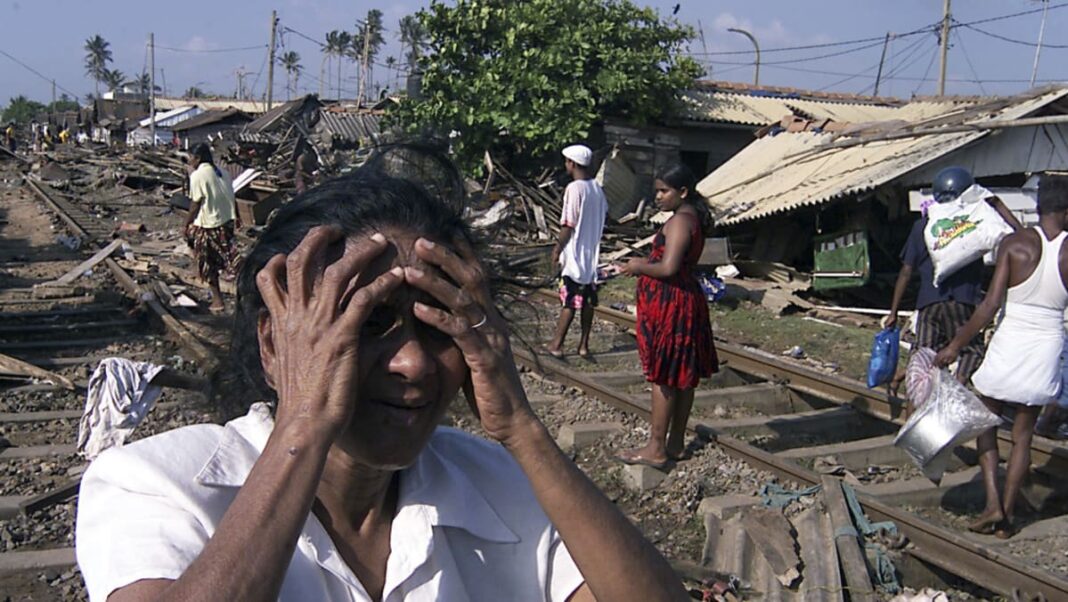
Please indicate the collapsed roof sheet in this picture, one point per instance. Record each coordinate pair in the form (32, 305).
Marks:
(777, 174)
(759, 110)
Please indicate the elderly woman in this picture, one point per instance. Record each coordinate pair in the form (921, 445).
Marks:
(366, 311)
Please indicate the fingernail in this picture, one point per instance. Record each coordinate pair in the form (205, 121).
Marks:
(377, 237)
(415, 272)
(426, 243)
(397, 271)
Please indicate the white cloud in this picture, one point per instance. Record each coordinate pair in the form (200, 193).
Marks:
(198, 44)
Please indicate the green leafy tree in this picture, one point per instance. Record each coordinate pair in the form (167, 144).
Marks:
(22, 110)
(523, 79)
(113, 79)
(63, 104)
(194, 92)
(97, 57)
(290, 61)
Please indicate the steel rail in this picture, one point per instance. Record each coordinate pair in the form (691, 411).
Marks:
(945, 549)
(1045, 455)
(185, 337)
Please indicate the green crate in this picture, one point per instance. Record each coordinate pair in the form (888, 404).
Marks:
(841, 261)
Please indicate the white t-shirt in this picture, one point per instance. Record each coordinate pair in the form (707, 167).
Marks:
(215, 194)
(585, 207)
(467, 525)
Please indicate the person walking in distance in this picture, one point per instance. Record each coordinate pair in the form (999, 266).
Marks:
(209, 227)
(943, 309)
(674, 333)
(577, 251)
(1022, 367)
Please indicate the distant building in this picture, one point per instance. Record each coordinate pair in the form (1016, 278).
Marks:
(209, 126)
(142, 134)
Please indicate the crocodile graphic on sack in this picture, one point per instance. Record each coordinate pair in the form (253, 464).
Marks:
(948, 229)
(961, 231)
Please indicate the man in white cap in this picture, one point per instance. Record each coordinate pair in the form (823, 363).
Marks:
(577, 251)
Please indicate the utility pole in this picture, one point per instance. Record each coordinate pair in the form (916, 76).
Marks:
(1038, 49)
(240, 73)
(882, 58)
(152, 85)
(270, 60)
(945, 50)
(756, 75)
(363, 62)
(54, 102)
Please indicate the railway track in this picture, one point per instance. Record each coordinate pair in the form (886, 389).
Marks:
(61, 332)
(809, 415)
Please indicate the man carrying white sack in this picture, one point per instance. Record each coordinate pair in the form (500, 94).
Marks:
(1022, 367)
(942, 309)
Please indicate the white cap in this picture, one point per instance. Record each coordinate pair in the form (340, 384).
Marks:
(579, 153)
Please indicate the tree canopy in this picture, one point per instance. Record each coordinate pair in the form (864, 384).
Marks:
(524, 79)
(22, 110)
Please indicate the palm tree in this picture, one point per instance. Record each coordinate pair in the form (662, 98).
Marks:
(113, 79)
(337, 42)
(97, 57)
(369, 36)
(143, 83)
(413, 36)
(290, 61)
(391, 64)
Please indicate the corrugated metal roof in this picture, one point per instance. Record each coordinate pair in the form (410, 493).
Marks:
(353, 127)
(211, 117)
(748, 109)
(781, 173)
(172, 117)
(248, 106)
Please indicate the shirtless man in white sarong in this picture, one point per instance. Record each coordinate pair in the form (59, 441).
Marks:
(1022, 363)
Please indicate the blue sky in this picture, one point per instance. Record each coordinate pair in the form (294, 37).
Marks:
(48, 35)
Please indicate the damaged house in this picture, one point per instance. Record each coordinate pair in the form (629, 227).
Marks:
(832, 195)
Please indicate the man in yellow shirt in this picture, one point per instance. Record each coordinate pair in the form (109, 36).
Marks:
(9, 136)
(64, 136)
(209, 227)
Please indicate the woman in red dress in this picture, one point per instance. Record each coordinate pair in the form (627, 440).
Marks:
(674, 332)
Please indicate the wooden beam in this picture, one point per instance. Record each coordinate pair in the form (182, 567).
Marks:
(100, 255)
(17, 366)
(847, 541)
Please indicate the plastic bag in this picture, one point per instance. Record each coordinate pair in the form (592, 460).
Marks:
(918, 376)
(883, 362)
(951, 416)
(961, 231)
(713, 287)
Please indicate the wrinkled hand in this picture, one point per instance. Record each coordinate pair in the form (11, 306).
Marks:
(632, 267)
(947, 356)
(478, 329)
(314, 335)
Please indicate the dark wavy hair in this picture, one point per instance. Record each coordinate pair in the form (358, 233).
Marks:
(1052, 193)
(678, 176)
(411, 187)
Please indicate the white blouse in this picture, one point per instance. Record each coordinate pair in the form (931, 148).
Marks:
(467, 525)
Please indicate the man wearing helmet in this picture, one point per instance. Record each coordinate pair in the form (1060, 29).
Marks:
(944, 309)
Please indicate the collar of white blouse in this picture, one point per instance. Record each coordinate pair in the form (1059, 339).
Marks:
(434, 492)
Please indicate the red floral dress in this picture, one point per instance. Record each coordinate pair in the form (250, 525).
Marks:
(674, 332)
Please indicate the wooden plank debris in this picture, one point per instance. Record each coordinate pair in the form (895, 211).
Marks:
(773, 535)
(847, 541)
(16, 366)
(88, 264)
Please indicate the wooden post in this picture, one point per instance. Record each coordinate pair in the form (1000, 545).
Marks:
(270, 60)
(850, 556)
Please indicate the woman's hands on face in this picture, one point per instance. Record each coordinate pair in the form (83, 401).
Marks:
(479, 331)
(314, 337)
